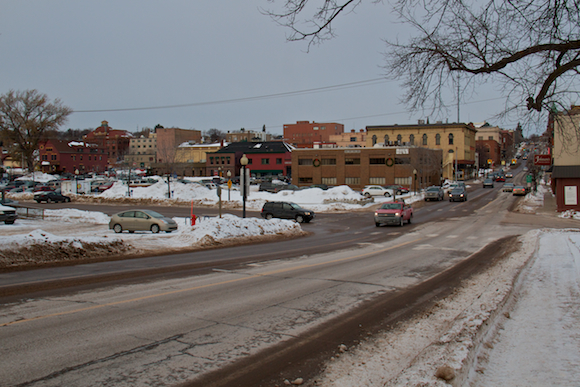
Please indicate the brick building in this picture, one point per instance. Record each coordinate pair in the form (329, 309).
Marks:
(410, 166)
(115, 141)
(305, 134)
(352, 139)
(57, 156)
(168, 139)
(142, 151)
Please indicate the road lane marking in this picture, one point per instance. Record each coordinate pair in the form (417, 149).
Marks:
(152, 296)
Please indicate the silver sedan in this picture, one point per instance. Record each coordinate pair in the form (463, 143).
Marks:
(141, 220)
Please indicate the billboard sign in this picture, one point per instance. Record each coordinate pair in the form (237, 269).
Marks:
(542, 160)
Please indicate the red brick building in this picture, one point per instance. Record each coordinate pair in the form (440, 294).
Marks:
(115, 141)
(57, 156)
(168, 139)
(305, 134)
(490, 153)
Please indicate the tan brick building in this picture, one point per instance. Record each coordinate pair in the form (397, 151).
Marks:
(409, 166)
(457, 141)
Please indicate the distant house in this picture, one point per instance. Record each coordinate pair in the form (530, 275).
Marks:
(265, 159)
(566, 159)
(57, 156)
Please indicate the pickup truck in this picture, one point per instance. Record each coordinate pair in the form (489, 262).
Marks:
(393, 213)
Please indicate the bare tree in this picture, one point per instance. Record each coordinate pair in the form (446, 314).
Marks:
(532, 46)
(25, 117)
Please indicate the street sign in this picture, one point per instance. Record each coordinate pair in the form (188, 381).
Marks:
(529, 179)
(542, 159)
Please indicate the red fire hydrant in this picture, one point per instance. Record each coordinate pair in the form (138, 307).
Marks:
(193, 217)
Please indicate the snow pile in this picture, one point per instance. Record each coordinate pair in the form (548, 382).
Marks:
(532, 200)
(570, 214)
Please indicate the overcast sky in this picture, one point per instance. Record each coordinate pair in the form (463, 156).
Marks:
(229, 64)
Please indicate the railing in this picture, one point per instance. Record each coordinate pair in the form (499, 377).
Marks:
(28, 212)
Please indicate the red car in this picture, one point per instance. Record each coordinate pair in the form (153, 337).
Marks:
(500, 178)
(395, 213)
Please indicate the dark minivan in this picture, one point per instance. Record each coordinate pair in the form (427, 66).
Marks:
(286, 210)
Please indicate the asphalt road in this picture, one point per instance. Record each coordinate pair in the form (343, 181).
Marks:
(246, 315)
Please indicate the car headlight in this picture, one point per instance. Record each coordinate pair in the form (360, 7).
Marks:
(307, 213)
(397, 214)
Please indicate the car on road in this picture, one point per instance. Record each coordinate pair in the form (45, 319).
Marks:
(458, 194)
(7, 214)
(508, 187)
(377, 190)
(434, 193)
(286, 210)
(393, 213)
(488, 183)
(509, 175)
(519, 190)
(398, 189)
(141, 220)
(500, 178)
(51, 196)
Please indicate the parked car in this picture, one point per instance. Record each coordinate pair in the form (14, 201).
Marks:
(288, 187)
(141, 220)
(8, 202)
(286, 210)
(393, 213)
(105, 186)
(508, 187)
(458, 194)
(519, 191)
(268, 187)
(377, 190)
(488, 183)
(42, 188)
(7, 214)
(434, 193)
(321, 186)
(50, 196)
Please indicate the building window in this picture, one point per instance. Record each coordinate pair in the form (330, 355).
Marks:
(265, 161)
(450, 138)
(352, 180)
(305, 180)
(211, 160)
(437, 139)
(278, 161)
(374, 139)
(425, 139)
(328, 162)
(377, 180)
(402, 160)
(304, 161)
(351, 161)
(399, 139)
(53, 157)
(353, 139)
(490, 138)
(375, 161)
(412, 139)
(45, 157)
(386, 139)
(480, 138)
(250, 161)
(403, 181)
(328, 180)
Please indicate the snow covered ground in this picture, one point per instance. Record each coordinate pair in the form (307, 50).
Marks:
(518, 324)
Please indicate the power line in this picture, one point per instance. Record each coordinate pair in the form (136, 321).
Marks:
(246, 99)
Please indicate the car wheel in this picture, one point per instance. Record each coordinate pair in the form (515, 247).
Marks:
(154, 228)
(377, 224)
(367, 195)
(9, 222)
(387, 194)
(269, 216)
(409, 221)
(38, 201)
(299, 218)
(117, 228)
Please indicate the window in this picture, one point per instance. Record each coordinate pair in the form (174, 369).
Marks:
(53, 157)
(374, 139)
(402, 160)
(329, 180)
(352, 180)
(480, 138)
(375, 161)
(211, 160)
(45, 157)
(353, 139)
(304, 161)
(328, 162)
(351, 161)
(403, 181)
(450, 138)
(278, 161)
(306, 180)
(437, 139)
(425, 139)
(386, 139)
(250, 161)
(377, 180)
(412, 139)
(490, 138)
(265, 161)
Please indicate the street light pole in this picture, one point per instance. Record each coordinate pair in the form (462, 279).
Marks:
(244, 163)
(229, 174)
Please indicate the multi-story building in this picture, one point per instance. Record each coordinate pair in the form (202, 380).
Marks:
(305, 134)
(410, 166)
(142, 151)
(250, 136)
(566, 159)
(352, 139)
(115, 141)
(195, 155)
(57, 156)
(457, 141)
(168, 139)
